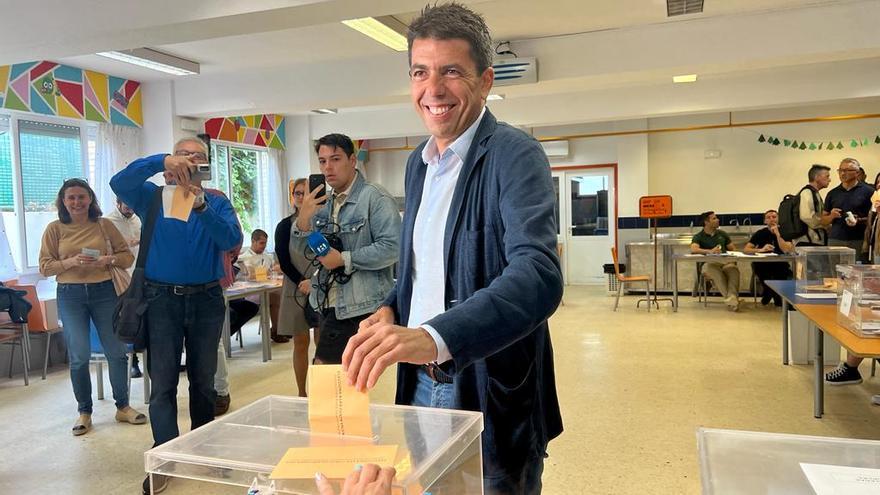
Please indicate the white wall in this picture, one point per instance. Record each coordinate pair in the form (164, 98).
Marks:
(750, 176)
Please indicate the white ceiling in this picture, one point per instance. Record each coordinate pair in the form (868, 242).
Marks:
(289, 56)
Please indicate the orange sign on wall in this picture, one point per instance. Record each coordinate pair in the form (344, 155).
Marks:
(655, 206)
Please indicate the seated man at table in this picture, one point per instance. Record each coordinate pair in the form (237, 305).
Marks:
(769, 240)
(724, 276)
(256, 258)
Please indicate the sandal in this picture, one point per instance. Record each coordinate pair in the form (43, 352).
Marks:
(83, 425)
(130, 415)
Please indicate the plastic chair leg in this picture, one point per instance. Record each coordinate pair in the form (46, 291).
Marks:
(617, 299)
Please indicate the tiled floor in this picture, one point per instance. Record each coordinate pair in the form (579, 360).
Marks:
(633, 386)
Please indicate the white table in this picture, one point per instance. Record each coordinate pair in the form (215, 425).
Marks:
(240, 290)
(722, 258)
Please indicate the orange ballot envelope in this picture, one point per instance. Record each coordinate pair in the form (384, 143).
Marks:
(335, 407)
(332, 462)
(175, 205)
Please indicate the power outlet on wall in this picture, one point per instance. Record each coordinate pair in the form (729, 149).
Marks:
(712, 154)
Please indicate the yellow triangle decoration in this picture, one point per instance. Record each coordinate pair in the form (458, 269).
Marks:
(135, 108)
(99, 84)
(65, 109)
(4, 78)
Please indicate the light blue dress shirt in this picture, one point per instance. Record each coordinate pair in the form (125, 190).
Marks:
(429, 269)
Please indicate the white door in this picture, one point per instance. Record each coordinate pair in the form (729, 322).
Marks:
(589, 222)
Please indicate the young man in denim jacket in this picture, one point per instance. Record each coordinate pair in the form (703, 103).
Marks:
(353, 281)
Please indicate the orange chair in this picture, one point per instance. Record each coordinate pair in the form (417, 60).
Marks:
(621, 280)
(37, 318)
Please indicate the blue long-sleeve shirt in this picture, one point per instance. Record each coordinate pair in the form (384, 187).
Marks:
(180, 253)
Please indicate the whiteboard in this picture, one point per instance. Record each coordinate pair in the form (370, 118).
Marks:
(7, 264)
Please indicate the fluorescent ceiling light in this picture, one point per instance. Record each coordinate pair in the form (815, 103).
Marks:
(386, 30)
(325, 111)
(155, 60)
(494, 97)
(686, 78)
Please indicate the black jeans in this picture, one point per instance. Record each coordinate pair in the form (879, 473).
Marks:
(240, 312)
(334, 336)
(175, 321)
(771, 270)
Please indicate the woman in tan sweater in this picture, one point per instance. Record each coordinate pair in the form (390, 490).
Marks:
(75, 250)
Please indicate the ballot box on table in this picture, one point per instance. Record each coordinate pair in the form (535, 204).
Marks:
(747, 463)
(438, 450)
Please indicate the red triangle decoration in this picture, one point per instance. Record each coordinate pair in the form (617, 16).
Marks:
(265, 125)
(212, 127)
(258, 141)
(73, 93)
(42, 68)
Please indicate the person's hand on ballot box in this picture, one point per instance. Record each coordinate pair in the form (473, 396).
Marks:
(380, 343)
(366, 480)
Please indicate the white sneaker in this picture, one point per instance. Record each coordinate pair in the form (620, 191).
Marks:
(875, 399)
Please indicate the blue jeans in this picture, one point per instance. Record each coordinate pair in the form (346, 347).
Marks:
(432, 394)
(77, 305)
(175, 321)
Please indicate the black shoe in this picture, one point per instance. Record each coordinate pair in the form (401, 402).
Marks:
(221, 405)
(159, 485)
(843, 375)
(136, 371)
(765, 299)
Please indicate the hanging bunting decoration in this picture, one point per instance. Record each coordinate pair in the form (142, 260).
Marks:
(829, 146)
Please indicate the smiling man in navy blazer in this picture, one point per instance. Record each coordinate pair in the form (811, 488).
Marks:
(467, 319)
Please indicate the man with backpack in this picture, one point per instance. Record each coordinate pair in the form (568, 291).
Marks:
(800, 216)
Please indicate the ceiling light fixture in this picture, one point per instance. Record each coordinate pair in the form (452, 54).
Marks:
(686, 78)
(155, 60)
(325, 111)
(386, 30)
(494, 97)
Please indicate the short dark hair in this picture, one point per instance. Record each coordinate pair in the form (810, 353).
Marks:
(63, 214)
(334, 141)
(259, 234)
(815, 170)
(453, 21)
(770, 211)
(705, 216)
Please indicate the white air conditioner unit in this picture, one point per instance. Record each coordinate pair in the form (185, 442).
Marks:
(555, 149)
(188, 124)
(512, 71)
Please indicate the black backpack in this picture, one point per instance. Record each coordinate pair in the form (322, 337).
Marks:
(790, 224)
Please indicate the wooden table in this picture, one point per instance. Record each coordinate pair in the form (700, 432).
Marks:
(824, 319)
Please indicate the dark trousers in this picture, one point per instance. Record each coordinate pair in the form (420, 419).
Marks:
(240, 312)
(334, 336)
(175, 321)
(771, 270)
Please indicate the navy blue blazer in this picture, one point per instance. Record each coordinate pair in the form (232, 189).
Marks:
(503, 281)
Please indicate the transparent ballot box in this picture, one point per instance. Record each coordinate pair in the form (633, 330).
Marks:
(438, 450)
(858, 299)
(815, 267)
(748, 463)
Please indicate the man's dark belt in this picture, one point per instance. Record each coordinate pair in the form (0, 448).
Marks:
(437, 374)
(183, 290)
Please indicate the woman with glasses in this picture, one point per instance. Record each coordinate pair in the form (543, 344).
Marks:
(295, 318)
(80, 249)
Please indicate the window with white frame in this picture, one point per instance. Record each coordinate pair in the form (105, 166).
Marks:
(36, 155)
(242, 173)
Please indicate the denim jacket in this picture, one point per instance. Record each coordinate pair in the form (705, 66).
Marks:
(369, 227)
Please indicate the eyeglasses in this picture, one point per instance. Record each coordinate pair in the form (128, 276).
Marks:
(845, 170)
(299, 194)
(196, 155)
